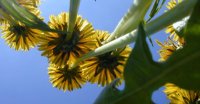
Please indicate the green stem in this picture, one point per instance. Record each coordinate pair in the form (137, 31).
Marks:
(55, 31)
(131, 19)
(73, 11)
(180, 11)
(5, 15)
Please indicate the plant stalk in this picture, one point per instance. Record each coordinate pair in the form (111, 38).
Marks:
(180, 11)
(73, 11)
(5, 15)
(131, 19)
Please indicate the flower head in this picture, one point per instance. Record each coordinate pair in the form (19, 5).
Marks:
(168, 48)
(16, 34)
(64, 78)
(103, 69)
(19, 36)
(178, 95)
(59, 50)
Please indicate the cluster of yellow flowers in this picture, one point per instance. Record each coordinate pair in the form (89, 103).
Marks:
(62, 50)
(175, 94)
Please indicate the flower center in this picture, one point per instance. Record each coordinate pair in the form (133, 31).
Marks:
(69, 74)
(18, 30)
(108, 61)
(66, 46)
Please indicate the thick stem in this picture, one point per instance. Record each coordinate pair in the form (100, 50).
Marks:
(131, 19)
(5, 15)
(73, 11)
(180, 11)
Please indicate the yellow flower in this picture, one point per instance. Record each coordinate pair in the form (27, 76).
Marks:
(168, 48)
(59, 50)
(172, 29)
(16, 34)
(103, 69)
(175, 94)
(19, 36)
(175, 42)
(178, 95)
(64, 78)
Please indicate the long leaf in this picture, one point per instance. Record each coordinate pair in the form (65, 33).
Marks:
(156, 8)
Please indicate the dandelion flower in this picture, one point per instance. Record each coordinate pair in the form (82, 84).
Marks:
(178, 95)
(103, 69)
(19, 36)
(16, 34)
(59, 50)
(64, 78)
(167, 48)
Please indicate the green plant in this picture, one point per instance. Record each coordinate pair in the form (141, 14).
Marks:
(77, 53)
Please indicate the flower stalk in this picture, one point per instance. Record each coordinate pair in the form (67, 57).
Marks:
(131, 19)
(180, 11)
(73, 11)
(3, 14)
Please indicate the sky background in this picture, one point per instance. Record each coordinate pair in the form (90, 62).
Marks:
(24, 78)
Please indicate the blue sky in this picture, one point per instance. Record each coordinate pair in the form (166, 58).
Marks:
(24, 78)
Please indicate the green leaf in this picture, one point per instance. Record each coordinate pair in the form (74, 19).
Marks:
(187, 59)
(143, 75)
(193, 27)
(156, 8)
(109, 94)
(153, 10)
(139, 81)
